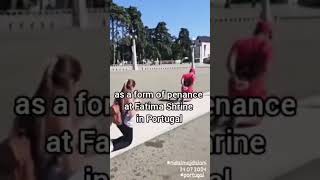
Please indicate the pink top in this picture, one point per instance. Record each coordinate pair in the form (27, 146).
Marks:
(190, 78)
(245, 49)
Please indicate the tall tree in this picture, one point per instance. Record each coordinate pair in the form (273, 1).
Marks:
(119, 22)
(185, 42)
(113, 16)
(137, 30)
(151, 52)
(163, 41)
(182, 45)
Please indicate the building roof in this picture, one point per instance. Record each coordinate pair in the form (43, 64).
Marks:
(203, 38)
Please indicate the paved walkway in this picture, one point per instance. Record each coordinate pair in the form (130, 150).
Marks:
(146, 131)
(149, 160)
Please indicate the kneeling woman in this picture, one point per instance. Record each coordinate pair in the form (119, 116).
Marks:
(126, 127)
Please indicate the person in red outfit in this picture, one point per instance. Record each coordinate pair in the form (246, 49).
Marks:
(188, 80)
(247, 65)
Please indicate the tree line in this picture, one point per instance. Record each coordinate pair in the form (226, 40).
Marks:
(151, 43)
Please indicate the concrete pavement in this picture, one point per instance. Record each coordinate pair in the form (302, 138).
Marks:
(149, 160)
(142, 132)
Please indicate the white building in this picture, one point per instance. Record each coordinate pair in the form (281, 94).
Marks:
(202, 49)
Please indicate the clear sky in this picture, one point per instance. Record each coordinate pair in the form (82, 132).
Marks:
(191, 14)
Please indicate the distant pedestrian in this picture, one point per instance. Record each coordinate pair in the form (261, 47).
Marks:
(188, 80)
